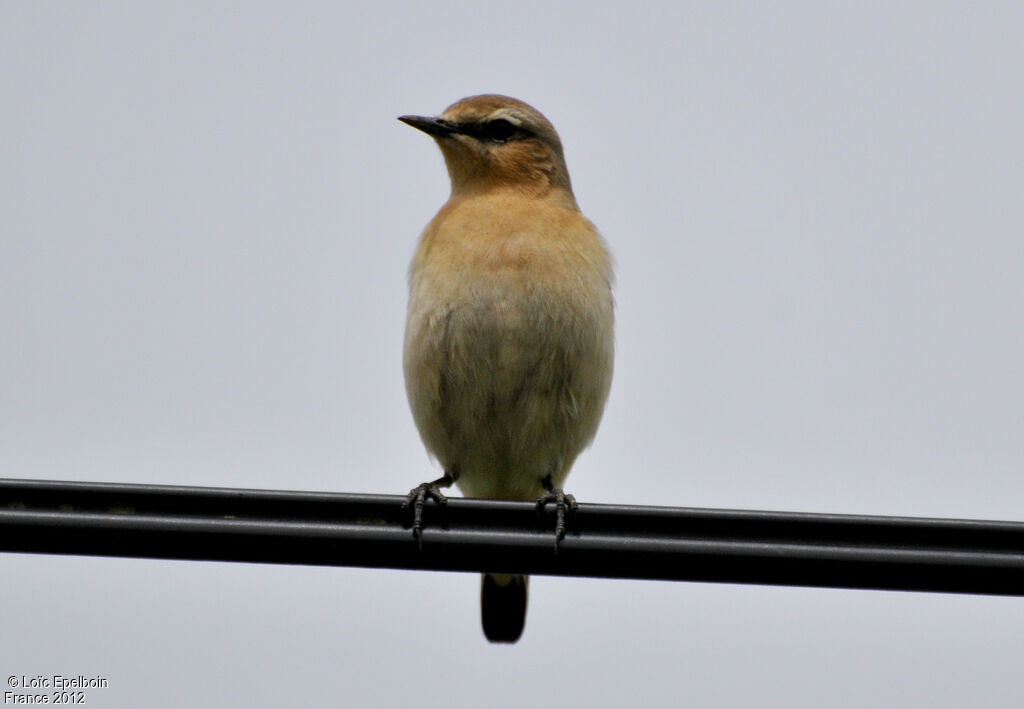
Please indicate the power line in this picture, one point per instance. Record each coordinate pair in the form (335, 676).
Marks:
(611, 541)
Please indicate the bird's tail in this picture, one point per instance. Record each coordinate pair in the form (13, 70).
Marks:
(503, 606)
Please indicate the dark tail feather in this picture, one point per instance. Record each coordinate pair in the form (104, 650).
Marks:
(503, 607)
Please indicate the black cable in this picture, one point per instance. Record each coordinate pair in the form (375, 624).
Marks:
(613, 541)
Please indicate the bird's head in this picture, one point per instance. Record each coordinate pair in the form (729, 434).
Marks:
(494, 142)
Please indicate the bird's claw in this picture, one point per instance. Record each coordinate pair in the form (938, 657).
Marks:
(563, 504)
(417, 498)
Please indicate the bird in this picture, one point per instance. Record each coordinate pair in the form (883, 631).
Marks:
(509, 342)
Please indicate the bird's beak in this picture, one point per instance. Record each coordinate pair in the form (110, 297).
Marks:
(437, 127)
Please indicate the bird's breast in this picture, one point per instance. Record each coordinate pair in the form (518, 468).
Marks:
(508, 347)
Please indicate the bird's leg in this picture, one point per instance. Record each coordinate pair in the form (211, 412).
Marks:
(563, 503)
(419, 495)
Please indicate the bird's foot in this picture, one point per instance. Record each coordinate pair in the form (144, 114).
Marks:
(417, 499)
(564, 504)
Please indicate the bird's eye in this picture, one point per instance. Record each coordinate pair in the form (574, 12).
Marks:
(498, 130)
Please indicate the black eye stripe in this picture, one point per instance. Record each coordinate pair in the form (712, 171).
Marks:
(495, 131)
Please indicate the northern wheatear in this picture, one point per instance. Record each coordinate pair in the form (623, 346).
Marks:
(508, 341)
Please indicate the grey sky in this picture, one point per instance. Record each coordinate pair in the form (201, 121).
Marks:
(206, 213)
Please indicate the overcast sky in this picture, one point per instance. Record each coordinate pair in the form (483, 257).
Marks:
(817, 212)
